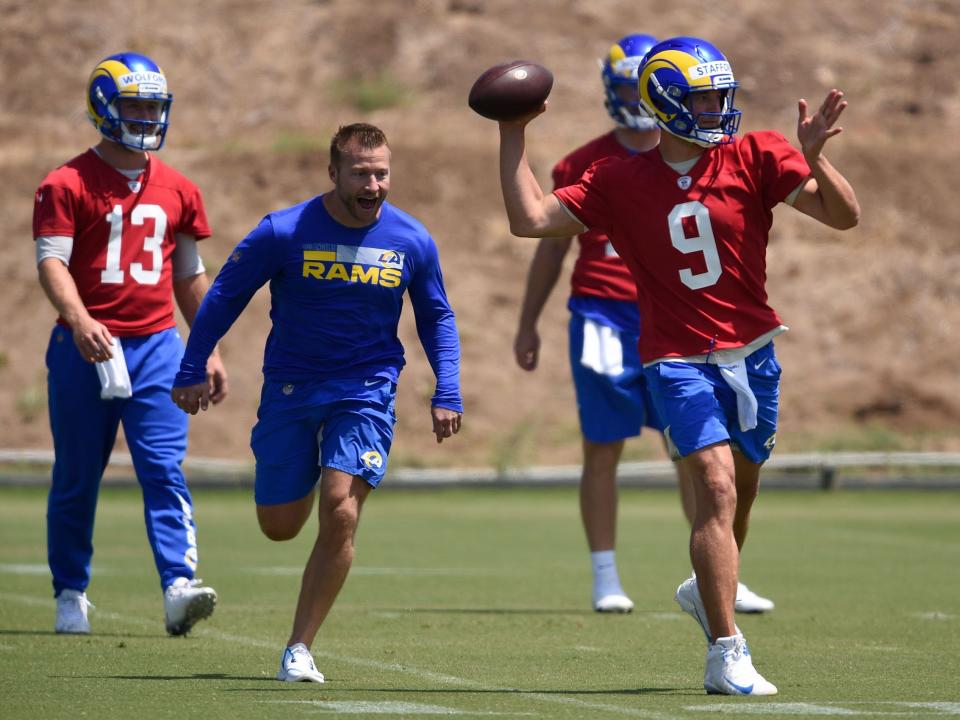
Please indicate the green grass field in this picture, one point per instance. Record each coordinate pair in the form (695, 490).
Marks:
(476, 603)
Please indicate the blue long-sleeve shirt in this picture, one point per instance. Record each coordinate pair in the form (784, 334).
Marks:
(336, 297)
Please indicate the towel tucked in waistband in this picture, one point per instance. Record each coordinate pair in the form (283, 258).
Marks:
(735, 374)
(602, 349)
(114, 378)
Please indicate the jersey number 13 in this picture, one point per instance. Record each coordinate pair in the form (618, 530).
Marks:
(112, 274)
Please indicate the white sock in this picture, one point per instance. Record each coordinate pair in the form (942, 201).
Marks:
(605, 578)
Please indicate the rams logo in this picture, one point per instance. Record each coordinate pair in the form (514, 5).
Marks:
(370, 266)
(372, 459)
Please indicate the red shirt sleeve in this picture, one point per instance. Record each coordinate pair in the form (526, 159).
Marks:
(781, 166)
(53, 211)
(589, 198)
(194, 219)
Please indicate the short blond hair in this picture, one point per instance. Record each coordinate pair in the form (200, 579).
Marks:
(367, 136)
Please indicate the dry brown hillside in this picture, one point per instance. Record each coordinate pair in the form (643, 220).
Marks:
(871, 360)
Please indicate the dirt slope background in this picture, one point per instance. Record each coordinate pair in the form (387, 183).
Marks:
(871, 359)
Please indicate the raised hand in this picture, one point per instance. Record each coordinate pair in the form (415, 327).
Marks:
(813, 131)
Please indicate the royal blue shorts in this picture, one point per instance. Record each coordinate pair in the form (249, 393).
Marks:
(346, 425)
(612, 396)
(699, 408)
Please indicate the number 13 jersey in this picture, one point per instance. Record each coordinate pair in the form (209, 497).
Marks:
(124, 233)
(696, 243)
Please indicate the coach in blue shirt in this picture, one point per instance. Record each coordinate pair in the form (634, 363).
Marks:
(338, 266)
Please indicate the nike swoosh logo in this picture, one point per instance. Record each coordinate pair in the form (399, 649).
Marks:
(370, 383)
(760, 364)
(745, 689)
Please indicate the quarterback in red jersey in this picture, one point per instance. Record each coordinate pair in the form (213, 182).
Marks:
(613, 400)
(691, 219)
(116, 234)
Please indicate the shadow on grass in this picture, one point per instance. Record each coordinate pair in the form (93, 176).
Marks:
(330, 686)
(488, 611)
(74, 637)
(177, 678)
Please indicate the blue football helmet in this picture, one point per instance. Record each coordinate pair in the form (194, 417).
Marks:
(134, 76)
(619, 70)
(675, 68)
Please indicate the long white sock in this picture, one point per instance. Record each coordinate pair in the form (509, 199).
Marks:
(605, 578)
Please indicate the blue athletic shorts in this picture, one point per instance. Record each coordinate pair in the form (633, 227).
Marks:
(612, 396)
(342, 424)
(699, 408)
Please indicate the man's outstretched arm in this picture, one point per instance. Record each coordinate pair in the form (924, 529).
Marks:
(531, 213)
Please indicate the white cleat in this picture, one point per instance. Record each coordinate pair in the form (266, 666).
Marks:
(72, 606)
(613, 603)
(688, 597)
(730, 670)
(749, 602)
(185, 603)
(296, 665)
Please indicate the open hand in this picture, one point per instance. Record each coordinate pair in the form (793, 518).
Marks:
(813, 131)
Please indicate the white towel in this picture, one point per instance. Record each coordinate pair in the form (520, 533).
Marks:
(114, 378)
(602, 349)
(735, 374)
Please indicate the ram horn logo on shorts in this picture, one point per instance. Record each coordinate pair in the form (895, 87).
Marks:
(372, 459)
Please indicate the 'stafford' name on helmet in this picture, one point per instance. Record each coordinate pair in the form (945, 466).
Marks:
(708, 69)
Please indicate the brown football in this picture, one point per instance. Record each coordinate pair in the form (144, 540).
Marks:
(510, 90)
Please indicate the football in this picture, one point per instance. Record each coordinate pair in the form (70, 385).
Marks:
(510, 90)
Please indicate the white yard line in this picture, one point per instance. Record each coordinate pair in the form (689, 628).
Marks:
(386, 707)
(830, 708)
(419, 673)
(897, 708)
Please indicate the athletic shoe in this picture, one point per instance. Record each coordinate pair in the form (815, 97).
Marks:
(72, 606)
(613, 603)
(296, 665)
(730, 670)
(185, 603)
(749, 602)
(688, 597)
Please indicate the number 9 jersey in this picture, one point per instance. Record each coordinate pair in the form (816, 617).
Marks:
(695, 242)
(124, 232)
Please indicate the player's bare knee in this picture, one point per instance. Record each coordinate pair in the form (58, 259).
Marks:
(277, 531)
(280, 526)
(718, 495)
(338, 519)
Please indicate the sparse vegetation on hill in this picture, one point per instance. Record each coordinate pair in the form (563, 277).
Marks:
(259, 89)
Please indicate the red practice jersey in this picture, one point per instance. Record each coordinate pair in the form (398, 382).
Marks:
(599, 271)
(696, 243)
(124, 233)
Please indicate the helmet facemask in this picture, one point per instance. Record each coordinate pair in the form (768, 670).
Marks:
(120, 80)
(138, 133)
(688, 126)
(626, 113)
